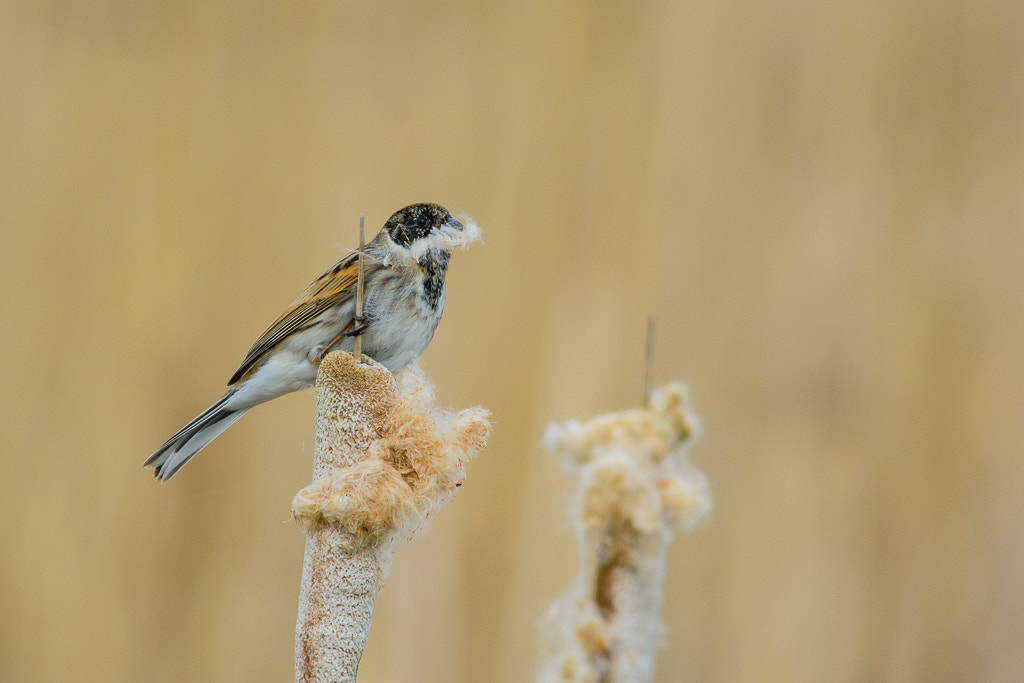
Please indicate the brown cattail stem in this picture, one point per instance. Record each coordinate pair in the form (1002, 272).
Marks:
(636, 488)
(385, 459)
(339, 585)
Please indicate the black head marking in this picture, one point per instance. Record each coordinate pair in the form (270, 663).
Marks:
(416, 222)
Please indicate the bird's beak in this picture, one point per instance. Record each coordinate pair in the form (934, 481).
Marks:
(455, 224)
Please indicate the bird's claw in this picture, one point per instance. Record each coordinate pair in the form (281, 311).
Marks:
(360, 326)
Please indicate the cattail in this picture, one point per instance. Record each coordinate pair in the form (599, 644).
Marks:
(385, 459)
(636, 489)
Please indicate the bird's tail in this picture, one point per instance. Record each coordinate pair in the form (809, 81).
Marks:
(192, 438)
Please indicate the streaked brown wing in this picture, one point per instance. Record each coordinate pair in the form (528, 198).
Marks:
(335, 285)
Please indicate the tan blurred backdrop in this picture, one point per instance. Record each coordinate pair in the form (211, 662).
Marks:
(822, 203)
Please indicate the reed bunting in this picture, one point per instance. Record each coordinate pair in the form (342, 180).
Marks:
(404, 272)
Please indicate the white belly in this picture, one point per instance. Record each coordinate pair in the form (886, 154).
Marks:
(400, 330)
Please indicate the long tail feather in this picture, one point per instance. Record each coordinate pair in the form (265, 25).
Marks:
(192, 438)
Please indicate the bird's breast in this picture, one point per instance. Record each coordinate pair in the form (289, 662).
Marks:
(403, 309)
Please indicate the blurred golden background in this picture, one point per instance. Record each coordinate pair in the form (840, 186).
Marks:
(823, 205)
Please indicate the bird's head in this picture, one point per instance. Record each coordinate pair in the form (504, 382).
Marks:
(422, 229)
(419, 223)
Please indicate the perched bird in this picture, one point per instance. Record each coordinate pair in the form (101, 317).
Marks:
(404, 271)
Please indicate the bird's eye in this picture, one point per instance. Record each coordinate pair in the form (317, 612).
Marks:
(420, 222)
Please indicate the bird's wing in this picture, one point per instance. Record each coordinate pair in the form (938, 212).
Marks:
(335, 285)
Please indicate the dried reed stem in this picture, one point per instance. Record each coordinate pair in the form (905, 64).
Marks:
(385, 459)
(636, 488)
(648, 362)
(357, 343)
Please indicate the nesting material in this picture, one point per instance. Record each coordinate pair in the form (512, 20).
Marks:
(385, 459)
(636, 489)
(469, 234)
